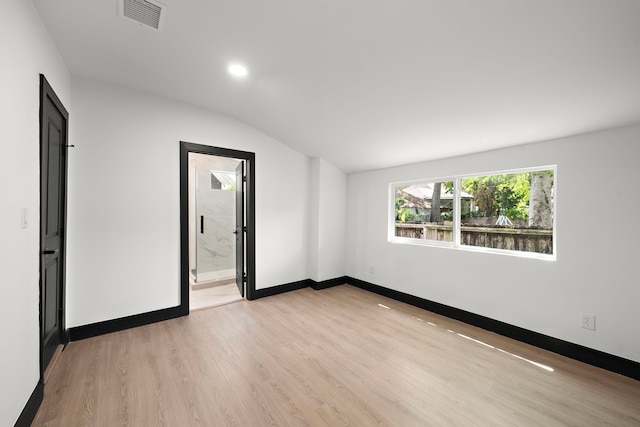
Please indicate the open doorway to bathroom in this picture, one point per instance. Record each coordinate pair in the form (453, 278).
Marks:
(212, 251)
(217, 221)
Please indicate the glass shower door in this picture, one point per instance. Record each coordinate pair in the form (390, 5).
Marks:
(215, 214)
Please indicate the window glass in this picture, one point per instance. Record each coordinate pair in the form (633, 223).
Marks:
(509, 211)
(425, 211)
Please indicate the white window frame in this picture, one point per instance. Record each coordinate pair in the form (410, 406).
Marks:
(456, 244)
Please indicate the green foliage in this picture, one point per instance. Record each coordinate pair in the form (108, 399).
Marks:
(400, 211)
(403, 214)
(406, 215)
(495, 194)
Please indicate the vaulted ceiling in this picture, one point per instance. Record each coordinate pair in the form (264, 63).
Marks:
(367, 84)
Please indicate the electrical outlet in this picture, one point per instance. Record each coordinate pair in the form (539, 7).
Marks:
(588, 321)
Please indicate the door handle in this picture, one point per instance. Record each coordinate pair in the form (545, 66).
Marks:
(201, 224)
(50, 251)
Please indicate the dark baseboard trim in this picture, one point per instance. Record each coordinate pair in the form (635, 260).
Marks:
(31, 408)
(324, 284)
(587, 355)
(597, 358)
(115, 325)
(275, 290)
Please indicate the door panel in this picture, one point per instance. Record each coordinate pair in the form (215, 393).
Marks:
(53, 168)
(240, 227)
(51, 299)
(53, 174)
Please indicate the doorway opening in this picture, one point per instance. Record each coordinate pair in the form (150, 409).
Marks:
(212, 222)
(217, 226)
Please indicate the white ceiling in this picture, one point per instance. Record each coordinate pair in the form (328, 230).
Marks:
(367, 84)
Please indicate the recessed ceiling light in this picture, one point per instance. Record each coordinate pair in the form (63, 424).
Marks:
(238, 70)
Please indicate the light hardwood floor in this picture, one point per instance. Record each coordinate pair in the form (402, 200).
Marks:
(213, 296)
(340, 356)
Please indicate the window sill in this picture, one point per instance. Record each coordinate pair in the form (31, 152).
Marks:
(451, 245)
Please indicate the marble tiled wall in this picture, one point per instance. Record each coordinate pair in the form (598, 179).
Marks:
(216, 246)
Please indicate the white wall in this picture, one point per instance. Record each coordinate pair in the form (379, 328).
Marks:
(328, 230)
(595, 271)
(26, 51)
(332, 211)
(123, 220)
(314, 218)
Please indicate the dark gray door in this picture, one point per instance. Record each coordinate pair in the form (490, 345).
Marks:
(53, 177)
(240, 227)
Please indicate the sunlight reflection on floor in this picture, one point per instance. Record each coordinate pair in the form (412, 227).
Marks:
(539, 365)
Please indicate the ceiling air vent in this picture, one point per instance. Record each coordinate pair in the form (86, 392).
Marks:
(149, 13)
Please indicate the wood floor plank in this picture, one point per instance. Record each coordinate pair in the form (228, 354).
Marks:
(340, 356)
